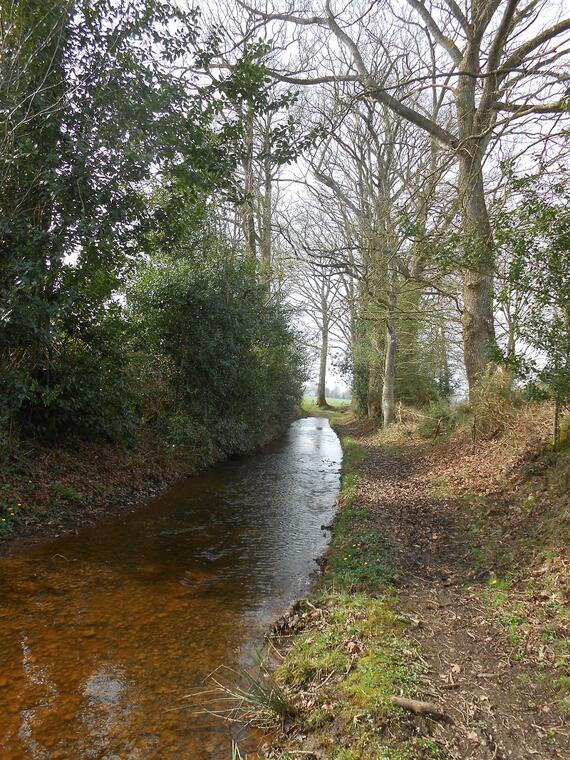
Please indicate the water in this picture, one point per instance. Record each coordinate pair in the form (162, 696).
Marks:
(102, 634)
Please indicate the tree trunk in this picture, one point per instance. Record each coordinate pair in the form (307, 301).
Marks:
(266, 201)
(478, 321)
(388, 406)
(375, 374)
(360, 368)
(248, 216)
(445, 374)
(321, 389)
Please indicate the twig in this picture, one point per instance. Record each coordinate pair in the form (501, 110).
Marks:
(421, 708)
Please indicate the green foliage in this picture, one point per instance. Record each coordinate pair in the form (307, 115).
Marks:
(224, 345)
(534, 237)
(9, 515)
(86, 108)
(85, 385)
(109, 157)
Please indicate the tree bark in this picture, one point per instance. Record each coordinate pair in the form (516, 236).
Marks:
(445, 374)
(375, 371)
(479, 254)
(388, 405)
(478, 318)
(321, 389)
(248, 217)
(266, 202)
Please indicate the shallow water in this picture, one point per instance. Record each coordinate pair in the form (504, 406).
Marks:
(103, 633)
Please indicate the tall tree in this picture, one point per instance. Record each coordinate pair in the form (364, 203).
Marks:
(499, 63)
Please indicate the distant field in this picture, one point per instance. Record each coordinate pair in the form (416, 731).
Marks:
(309, 402)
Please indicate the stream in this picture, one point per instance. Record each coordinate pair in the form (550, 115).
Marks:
(103, 633)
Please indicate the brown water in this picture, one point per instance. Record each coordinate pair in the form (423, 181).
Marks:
(102, 633)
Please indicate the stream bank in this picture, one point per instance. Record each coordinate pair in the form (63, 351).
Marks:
(47, 490)
(437, 590)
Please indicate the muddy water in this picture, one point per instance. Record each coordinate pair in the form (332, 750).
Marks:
(102, 633)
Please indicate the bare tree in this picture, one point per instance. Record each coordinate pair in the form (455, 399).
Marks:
(498, 63)
(317, 289)
(371, 171)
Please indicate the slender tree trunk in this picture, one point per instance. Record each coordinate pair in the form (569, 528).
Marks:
(248, 216)
(388, 405)
(445, 376)
(361, 368)
(321, 390)
(265, 239)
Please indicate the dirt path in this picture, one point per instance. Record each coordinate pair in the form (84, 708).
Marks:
(499, 702)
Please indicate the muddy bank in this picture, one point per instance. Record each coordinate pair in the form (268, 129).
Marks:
(51, 490)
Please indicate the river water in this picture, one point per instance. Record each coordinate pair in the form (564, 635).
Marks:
(103, 633)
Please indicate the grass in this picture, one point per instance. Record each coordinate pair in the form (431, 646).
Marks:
(346, 669)
(353, 455)
(65, 493)
(358, 558)
(336, 411)
(238, 696)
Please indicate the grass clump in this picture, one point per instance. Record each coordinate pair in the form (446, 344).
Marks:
(65, 493)
(238, 696)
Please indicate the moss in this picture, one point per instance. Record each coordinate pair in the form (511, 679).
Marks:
(348, 669)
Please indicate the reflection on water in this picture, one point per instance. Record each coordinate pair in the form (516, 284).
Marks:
(101, 634)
